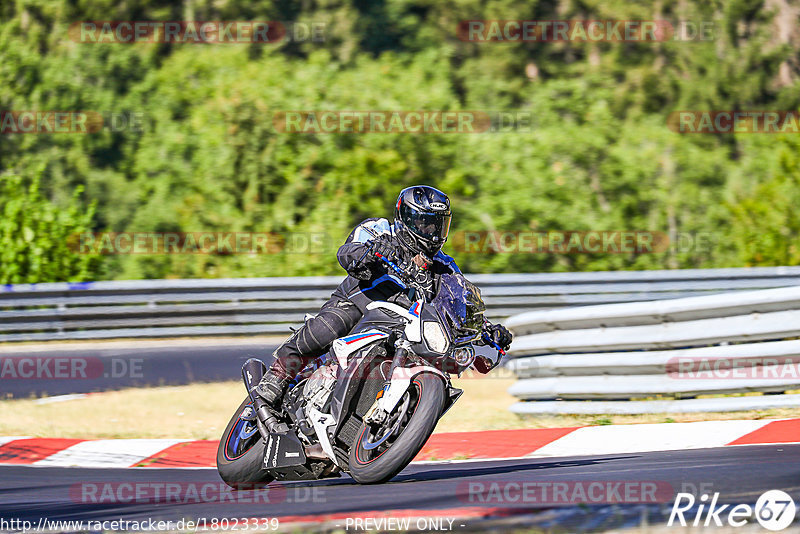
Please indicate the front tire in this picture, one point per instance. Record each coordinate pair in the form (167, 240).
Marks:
(373, 466)
(240, 454)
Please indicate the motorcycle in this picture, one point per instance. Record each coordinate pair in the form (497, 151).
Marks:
(368, 406)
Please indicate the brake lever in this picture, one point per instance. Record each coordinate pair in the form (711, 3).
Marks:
(490, 341)
(393, 265)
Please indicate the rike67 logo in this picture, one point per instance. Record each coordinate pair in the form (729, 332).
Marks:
(774, 510)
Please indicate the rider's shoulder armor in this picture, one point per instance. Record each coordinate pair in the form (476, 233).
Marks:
(369, 229)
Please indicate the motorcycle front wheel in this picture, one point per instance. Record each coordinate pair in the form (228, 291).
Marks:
(240, 454)
(381, 451)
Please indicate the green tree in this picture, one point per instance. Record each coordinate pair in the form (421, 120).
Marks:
(38, 238)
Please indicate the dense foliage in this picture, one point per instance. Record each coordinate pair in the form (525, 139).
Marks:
(36, 236)
(599, 155)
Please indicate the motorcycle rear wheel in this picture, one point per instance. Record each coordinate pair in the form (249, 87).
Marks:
(240, 454)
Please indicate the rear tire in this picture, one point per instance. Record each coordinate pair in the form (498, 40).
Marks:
(240, 461)
(373, 467)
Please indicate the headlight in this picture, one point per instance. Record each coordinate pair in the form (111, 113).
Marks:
(464, 356)
(434, 336)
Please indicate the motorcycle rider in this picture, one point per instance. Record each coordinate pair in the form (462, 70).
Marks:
(421, 224)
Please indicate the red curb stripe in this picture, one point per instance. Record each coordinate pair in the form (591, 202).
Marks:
(775, 432)
(487, 444)
(202, 453)
(490, 443)
(30, 450)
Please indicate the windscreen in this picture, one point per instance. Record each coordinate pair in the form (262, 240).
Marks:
(459, 302)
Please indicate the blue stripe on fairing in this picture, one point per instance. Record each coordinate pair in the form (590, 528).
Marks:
(380, 280)
(357, 337)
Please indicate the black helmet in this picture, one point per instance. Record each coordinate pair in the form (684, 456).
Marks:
(422, 219)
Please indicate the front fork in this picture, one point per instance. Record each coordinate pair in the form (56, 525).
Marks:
(377, 414)
(398, 381)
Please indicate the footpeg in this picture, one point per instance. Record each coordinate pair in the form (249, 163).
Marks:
(248, 414)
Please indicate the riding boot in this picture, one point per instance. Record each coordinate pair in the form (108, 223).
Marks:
(335, 319)
(272, 388)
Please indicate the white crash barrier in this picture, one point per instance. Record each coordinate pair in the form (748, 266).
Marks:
(720, 404)
(615, 355)
(257, 306)
(657, 362)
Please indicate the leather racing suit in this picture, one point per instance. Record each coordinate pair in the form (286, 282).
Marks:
(367, 281)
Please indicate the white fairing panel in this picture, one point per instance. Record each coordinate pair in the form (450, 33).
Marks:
(321, 422)
(413, 328)
(345, 346)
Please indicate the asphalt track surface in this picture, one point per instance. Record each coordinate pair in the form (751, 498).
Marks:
(117, 368)
(739, 474)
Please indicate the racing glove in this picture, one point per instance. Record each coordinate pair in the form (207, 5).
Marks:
(383, 245)
(364, 267)
(499, 334)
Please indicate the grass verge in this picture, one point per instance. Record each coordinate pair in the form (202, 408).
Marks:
(201, 411)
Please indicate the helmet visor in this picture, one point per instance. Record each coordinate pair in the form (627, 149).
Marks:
(432, 227)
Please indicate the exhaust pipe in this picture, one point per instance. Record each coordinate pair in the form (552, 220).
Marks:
(253, 371)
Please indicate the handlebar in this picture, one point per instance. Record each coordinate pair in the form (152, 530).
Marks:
(391, 264)
(494, 345)
(406, 280)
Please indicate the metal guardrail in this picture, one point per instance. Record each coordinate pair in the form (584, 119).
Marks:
(603, 359)
(252, 306)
